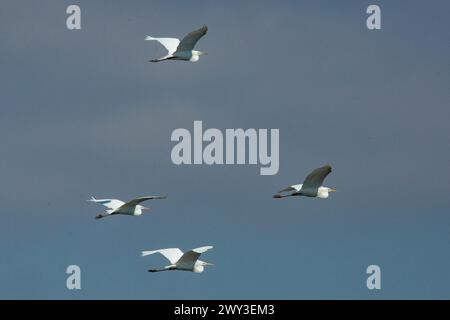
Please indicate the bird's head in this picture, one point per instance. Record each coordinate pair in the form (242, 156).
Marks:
(140, 210)
(200, 266)
(199, 53)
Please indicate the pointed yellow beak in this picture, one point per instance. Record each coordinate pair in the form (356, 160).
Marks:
(332, 190)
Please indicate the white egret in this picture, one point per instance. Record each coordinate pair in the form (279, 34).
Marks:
(311, 187)
(131, 208)
(181, 50)
(187, 261)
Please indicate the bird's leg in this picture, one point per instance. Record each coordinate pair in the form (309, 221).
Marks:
(279, 196)
(159, 270)
(102, 215)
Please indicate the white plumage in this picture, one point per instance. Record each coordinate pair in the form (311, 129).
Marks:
(131, 208)
(181, 50)
(187, 261)
(311, 187)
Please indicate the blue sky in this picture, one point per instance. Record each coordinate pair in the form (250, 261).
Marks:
(83, 113)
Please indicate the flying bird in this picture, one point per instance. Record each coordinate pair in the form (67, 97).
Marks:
(187, 261)
(181, 50)
(311, 187)
(130, 208)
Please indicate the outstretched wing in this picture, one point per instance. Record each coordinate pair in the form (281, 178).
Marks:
(112, 204)
(171, 44)
(315, 178)
(188, 42)
(133, 203)
(187, 261)
(171, 254)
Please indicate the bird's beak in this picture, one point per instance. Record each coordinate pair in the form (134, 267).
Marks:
(145, 208)
(208, 264)
(205, 53)
(332, 190)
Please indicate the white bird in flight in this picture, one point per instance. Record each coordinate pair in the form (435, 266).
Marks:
(181, 50)
(130, 208)
(311, 187)
(187, 261)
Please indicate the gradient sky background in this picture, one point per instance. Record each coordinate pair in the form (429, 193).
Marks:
(83, 113)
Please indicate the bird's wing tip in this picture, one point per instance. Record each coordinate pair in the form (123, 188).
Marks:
(203, 249)
(152, 197)
(146, 253)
